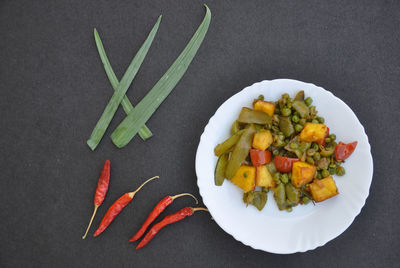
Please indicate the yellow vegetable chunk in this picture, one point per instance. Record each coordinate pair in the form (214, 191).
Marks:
(264, 106)
(262, 140)
(245, 178)
(313, 132)
(302, 173)
(323, 189)
(264, 178)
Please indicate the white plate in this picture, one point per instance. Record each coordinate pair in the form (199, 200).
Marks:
(308, 226)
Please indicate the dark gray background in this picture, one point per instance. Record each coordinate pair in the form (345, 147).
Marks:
(53, 89)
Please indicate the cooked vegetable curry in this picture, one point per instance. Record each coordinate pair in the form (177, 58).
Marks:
(283, 146)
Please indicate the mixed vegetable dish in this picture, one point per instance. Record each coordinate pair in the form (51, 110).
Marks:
(283, 146)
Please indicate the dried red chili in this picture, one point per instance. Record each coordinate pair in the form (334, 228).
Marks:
(160, 207)
(180, 215)
(101, 191)
(117, 207)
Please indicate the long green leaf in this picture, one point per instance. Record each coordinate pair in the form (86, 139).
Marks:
(144, 131)
(119, 93)
(146, 107)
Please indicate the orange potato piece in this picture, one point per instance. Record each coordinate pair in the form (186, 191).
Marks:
(245, 178)
(264, 106)
(302, 173)
(324, 189)
(264, 178)
(313, 132)
(262, 140)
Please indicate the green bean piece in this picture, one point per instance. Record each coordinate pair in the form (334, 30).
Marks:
(119, 93)
(292, 194)
(275, 152)
(310, 160)
(129, 127)
(256, 198)
(228, 143)
(280, 196)
(332, 171)
(285, 178)
(301, 108)
(327, 140)
(277, 110)
(286, 126)
(286, 111)
(277, 177)
(315, 146)
(308, 101)
(315, 121)
(299, 96)
(271, 167)
(332, 165)
(318, 175)
(325, 173)
(261, 97)
(240, 152)
(294, 145)
(289, 209)
(250, 116)
(332, 137)
(305, 200)
(220, 169)
(298, 127)
(295, 118)
(321, 119)
(340, 171)
(328, 151)
(235, 127)
(144, 132)
(302, 121)
(310, 152)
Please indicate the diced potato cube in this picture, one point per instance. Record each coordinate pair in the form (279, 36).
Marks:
(323, 189)
(265, 106)
(302, 173)
(313, 132)
(264, 178)
(245, 178)
(262, 140)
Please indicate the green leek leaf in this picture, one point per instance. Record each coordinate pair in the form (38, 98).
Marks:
(130, 126)
(119, 93)
(144, 131)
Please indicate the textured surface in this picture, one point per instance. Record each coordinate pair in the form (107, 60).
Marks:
(53, 89)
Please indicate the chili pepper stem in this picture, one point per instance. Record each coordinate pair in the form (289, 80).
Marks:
(197, 209)
(132, 194)
(91, 220)
(184, 194)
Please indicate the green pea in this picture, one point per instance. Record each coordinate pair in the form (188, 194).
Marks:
(332, 171)
(321, 119)
(245, 174)
(275, 152)
(286, 111)
(317, 156)
(285, 178)
(340, 171)
(289, 209)
(315, 121)
(302, 121)
(325, 173)
(298, 127)
(261, 97)
(285, 96)
(318, 175)
(294, 145)
(332, 166)
(308, 101)
(310, 160)
(281, 137)
(327, 140)
(305, 200)
(295, 118)
(332, 137)
(289, 104)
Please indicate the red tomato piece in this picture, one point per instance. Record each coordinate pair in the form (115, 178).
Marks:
(343, 151)
(260, 157)
(284, 164)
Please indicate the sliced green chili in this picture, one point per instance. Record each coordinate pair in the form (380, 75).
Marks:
(119, 93)
(144, 132)
(130, 126)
